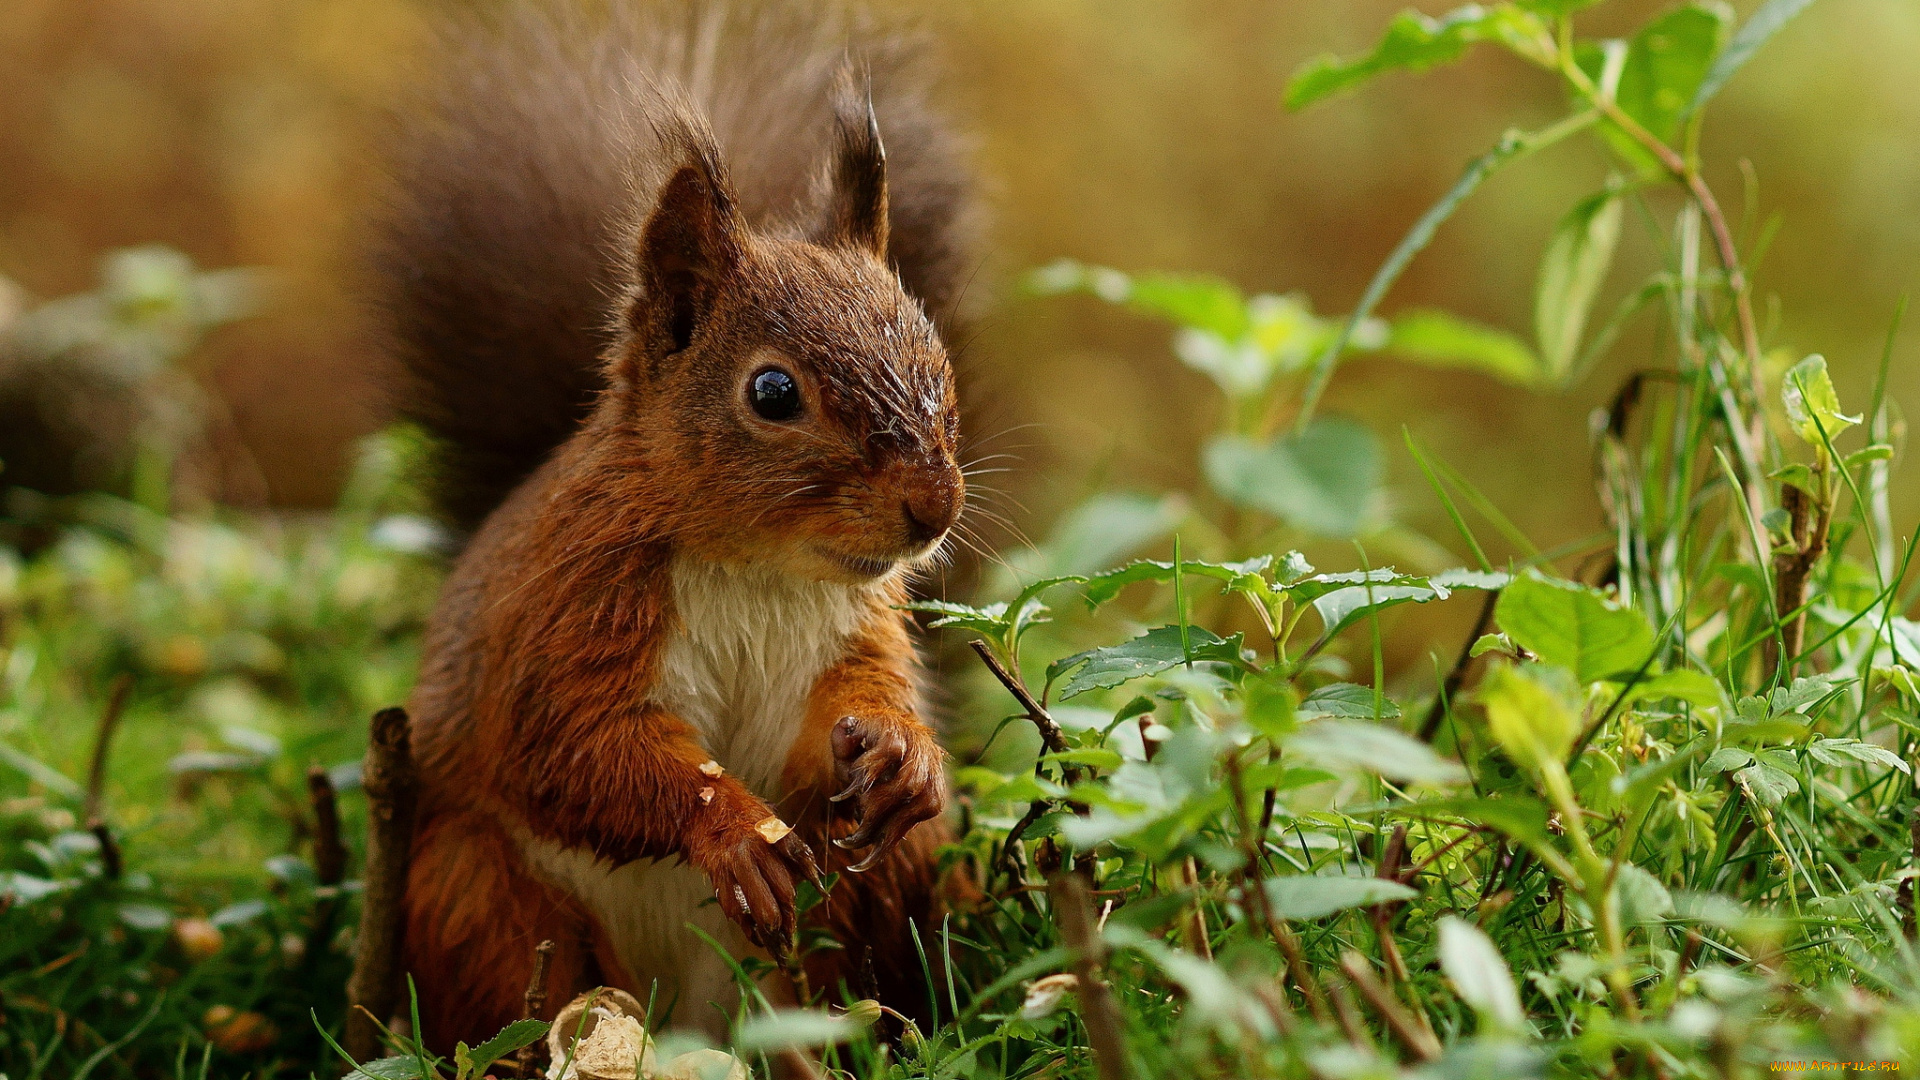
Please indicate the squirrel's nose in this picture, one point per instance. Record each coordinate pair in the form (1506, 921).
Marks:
(931, 509)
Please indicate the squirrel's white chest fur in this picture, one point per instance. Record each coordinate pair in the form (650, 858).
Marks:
(750, 645)
(739, 668)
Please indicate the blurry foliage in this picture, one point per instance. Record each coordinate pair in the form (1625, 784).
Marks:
(91, 394)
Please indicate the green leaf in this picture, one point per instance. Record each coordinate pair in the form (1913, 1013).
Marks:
(1374, 748)
(512, 1037)
(1322, 481)
(1198, 301)
(1643, 897)
(990, 620)
(1754, 33)
(1342, 608)
(1107, 584)
(1571, 272)
(1521, 817)
(1149, 654)
(1665, 65)
(1414, 42)
(1313, 896)
(1346, 701)
(1530, 718)
(1437, 339)
(1576, 627)
(1693, 687)
(1727, 759)
(391, 1068)
(1480, 974)
(1768, 785)
(1812, 405)
(1837, 752)
(1094, 756)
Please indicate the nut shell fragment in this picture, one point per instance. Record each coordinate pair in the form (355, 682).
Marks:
(712, 769)
(773, 829)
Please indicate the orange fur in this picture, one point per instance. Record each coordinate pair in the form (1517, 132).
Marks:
(578, 726)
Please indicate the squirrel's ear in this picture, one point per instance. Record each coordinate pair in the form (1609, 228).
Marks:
(855, 213)
(689, 244)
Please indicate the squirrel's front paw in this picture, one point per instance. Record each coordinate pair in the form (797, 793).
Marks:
(892, 768)
(755, 861)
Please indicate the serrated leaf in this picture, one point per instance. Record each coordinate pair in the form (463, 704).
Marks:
(1727, 759)
(1462, 578)
(1437, 339)
(512, 1037)
(1413, 42)
(1314, 896)
(1769, 786)
(1155, 651)
(1374, 748)
(1107, 584)
(1346, 701)
(1813, 407)
(1480, 974)
(1322, 481)
(1859, 751)
(1572, 269)
(990, 621)
(390, 1068)
(1342, 608)
(1576, 627)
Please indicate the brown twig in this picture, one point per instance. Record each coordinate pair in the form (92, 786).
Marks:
(1409, 1032)
(97, 775)
(329, 854)
(536, 1003)
(388, 778)
(1392, 867)
(1050, 733)
(1254, 893)
(1811, 519)
(1450, 686)
(1073, 913)
(329, 859)
(1906, 887)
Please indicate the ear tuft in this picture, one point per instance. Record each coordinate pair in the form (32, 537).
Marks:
(691, 241)
(856, 202)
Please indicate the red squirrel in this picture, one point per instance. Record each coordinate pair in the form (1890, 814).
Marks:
(662, 294)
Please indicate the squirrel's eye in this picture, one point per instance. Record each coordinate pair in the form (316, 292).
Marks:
(774, 394)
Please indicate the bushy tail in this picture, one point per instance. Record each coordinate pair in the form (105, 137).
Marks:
(514, 173)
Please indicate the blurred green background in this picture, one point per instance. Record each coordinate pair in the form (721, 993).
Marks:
(1140, 134)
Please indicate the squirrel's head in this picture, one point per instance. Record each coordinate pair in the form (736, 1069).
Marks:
(783, 386)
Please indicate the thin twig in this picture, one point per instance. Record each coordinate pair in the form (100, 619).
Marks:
(1450, 686)
(329, 854)
(97, 775)
(535, 1000)
(1050, 733)
(329, 860)
(388, 779)
(1073, 913)
(1410, 1034)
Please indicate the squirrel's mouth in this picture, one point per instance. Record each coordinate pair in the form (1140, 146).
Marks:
(859, 565)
